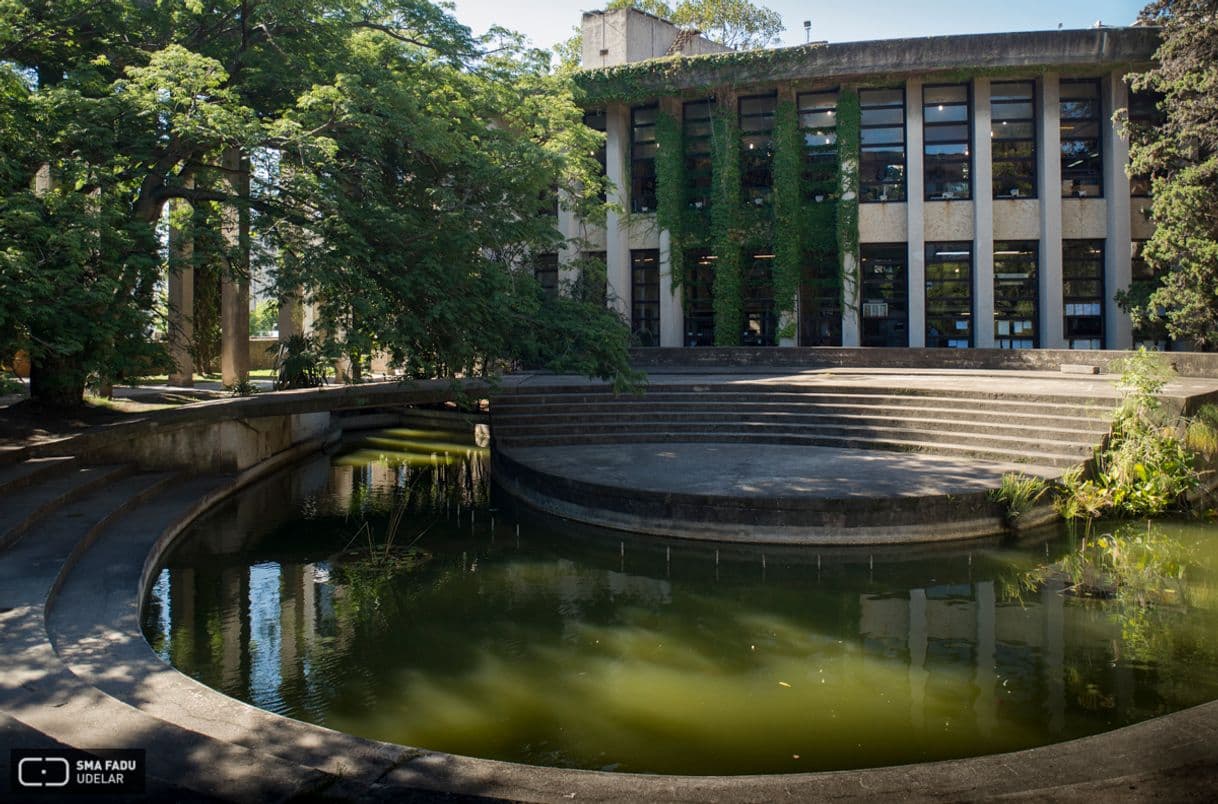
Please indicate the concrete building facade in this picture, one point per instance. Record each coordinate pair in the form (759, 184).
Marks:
(977, 185)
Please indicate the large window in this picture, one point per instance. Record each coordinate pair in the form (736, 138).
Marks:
(595, 120)
(1083, 293)
(698, 131)
(643, 158)
(885, 294)
(947, 133)
(820, 299)
(1151, 334)
(949, 296)
(818, 122)
(1082, 152)
(699, 298)
(882, 148)
(645, 296)
(1015, 294)
(1145, 117)
(1013, 138)
(757, 148)
(545, 271)
(760, 325)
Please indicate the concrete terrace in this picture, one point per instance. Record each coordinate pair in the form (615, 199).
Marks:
(76, 671)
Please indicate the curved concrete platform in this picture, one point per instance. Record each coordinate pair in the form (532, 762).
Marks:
(774, 495)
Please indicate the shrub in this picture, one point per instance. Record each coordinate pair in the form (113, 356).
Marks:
(1019, 493)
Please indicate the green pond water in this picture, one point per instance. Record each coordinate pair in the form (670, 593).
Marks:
(381, 592)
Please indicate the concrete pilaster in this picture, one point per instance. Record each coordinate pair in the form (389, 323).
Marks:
(235, 282)
(181, 324)
(915, 210)
(617, 232)
(569, 251)
(1118, 332)
(672, 313)
(291, 316)
(983, 221)
(1049, 188)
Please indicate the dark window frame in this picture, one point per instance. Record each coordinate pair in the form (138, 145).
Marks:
(870, 297)
(964, 188)
(643, 147)
(596, 119)
(1077, 307)
(880, 190)
(1004, 130)
(818, 125)
(1144, 116)
(697, 135)
(757, 163)
(645, 296)
(944, 335)
(1026, 292)
(1079, 172)
(545, 271)
(699, 297)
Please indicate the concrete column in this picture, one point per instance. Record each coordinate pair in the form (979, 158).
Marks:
(569, 251)
(983, 220)
(235, 282)
(672, 312)
(915, 212)
(1049, 188)
(180, 327)
(291, 316)
(1118, 331)
(617, 232)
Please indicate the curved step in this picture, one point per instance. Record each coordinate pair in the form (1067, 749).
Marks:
(23, 509)
(1057, 459)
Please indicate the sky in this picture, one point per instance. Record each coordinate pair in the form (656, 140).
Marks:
(546, 22)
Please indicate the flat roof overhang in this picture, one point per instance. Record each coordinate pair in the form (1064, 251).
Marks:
(1092, 50)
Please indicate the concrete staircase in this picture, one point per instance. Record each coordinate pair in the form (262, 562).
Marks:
(1045, 431)
(75, 670)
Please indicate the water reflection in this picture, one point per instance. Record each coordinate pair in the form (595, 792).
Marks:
(543, 643)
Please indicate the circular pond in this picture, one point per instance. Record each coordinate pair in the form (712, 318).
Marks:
(381, 593)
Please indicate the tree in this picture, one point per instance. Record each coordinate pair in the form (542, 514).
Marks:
(396, 160)
(1181, 157)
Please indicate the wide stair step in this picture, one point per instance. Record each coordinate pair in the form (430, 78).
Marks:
(22, 509)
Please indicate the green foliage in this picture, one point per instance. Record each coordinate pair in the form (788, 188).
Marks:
(788, 200)
(1018, 493)
(739, 24)
(1146, 468)
(848, 141)
(1180, 155)
(670, 186)
(1202, 433)
(10, 385)
(264, 318)
(299, 363)
(727, 227)
(242, 387)
(392, 154)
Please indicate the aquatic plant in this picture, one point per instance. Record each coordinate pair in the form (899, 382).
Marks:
(1018, 493)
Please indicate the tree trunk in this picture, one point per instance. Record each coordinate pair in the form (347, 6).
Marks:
(58, 381)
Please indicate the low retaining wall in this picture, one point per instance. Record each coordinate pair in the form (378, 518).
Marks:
(1188, 364)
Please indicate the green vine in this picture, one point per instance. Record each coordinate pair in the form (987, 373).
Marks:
(670, 188)
(848, 117)
(788, 199)
(727, 226)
